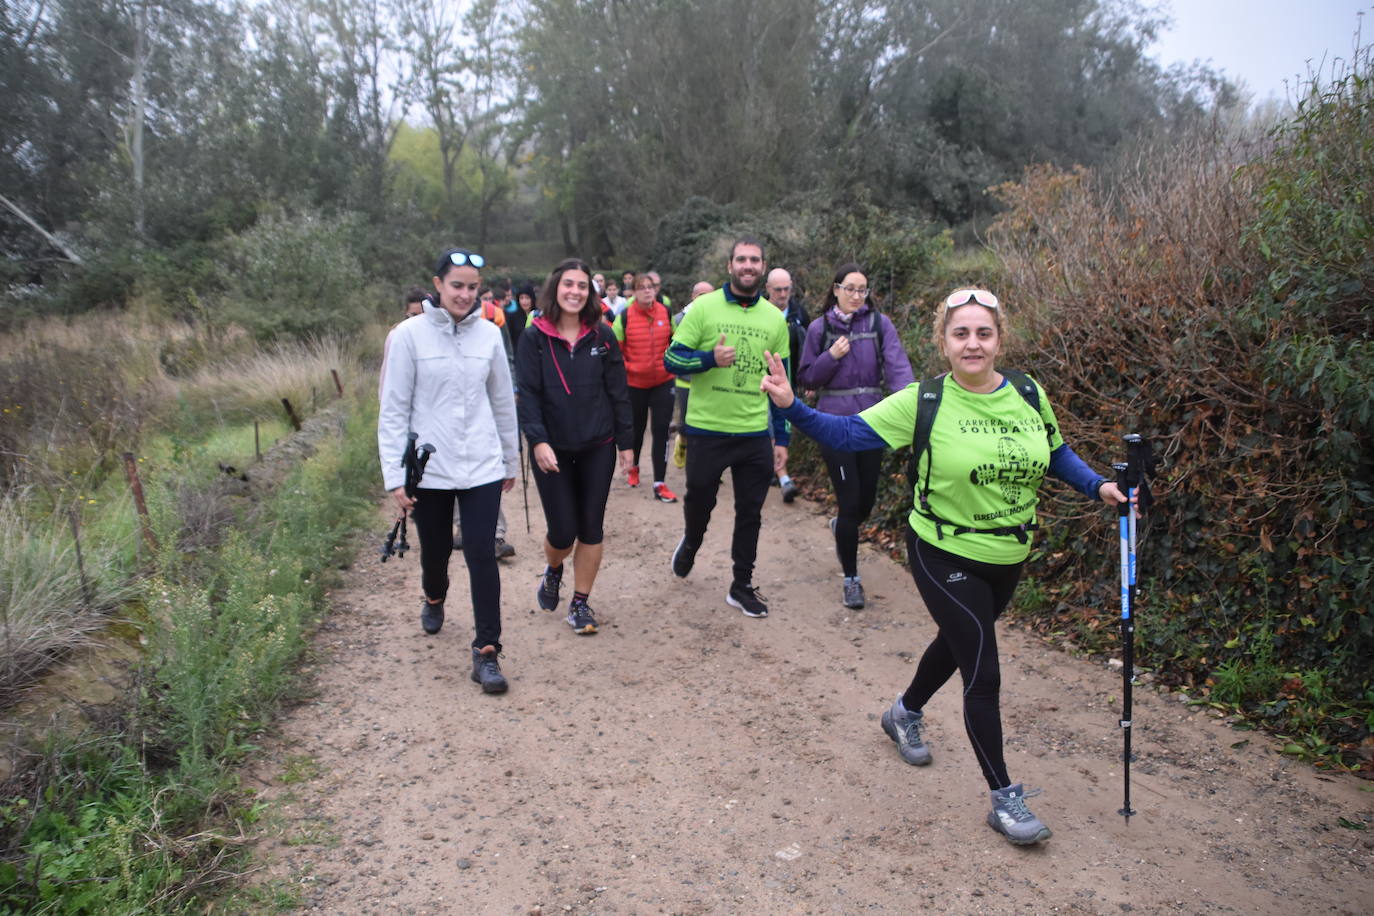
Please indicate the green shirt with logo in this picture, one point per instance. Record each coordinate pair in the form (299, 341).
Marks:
(990, 454)
(727, 399)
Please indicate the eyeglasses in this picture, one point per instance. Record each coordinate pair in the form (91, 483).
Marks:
(853, 290)
(965, 296)
(459, 258)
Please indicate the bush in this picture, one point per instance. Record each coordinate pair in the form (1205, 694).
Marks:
(1223, 313)
(295, 276)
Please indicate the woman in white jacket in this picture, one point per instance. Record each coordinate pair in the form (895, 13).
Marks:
(446, 379)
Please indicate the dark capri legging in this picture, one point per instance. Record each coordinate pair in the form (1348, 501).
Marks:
(574, 498)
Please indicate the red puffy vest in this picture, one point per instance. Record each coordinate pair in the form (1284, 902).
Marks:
(646, 333)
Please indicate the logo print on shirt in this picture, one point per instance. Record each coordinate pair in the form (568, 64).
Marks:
(1011, 469)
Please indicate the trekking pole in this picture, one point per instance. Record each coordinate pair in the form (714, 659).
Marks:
(1130, 479)
(525, 485)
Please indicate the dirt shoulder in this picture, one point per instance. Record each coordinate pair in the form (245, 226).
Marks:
(688, 759)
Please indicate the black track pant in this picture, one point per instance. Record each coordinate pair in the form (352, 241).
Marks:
(574, 497)
(750, 462)
(964, 597)
(433, 514)
(656, 402)
(854, 475)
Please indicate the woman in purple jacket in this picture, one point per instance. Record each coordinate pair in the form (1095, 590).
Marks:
(852, 352)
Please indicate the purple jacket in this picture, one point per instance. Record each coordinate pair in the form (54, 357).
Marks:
(855, 382)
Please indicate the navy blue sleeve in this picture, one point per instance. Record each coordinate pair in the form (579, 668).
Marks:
(846, 433)
(782, 432)
(680, 359)
(1068, 467)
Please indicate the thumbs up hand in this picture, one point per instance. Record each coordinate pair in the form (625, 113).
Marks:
(725, 356)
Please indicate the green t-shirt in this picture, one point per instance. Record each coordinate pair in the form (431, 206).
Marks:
(728, 400)
(990, 454)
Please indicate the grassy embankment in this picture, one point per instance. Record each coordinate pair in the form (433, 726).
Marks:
(132, 806)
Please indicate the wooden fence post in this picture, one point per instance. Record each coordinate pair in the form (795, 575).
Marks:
(80, 560)
(136, 487)
(291, 414)
(338, 385)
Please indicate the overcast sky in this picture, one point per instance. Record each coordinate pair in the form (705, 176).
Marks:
(1263, 42)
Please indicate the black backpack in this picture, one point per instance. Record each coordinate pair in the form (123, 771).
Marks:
(927, 403)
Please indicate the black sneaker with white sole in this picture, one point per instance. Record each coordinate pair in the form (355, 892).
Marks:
(684, 557)
(747, 599)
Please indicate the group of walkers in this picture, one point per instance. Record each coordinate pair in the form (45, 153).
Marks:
(591, 375)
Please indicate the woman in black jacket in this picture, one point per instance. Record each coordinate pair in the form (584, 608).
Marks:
(574, 409)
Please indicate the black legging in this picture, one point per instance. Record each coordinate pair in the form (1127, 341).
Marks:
(854, 475)
(433, 515)
(658, 402)
(574, 498)
(750, 462)
(965, 597)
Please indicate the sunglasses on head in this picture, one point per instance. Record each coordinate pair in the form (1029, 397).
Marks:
(460, 258)
(965, 296)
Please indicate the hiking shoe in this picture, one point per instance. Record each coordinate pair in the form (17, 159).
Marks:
(549, 584)
(486, 670)
(503, 550)
(853, 593)
(663, 494)
(790, 491)
(1011, 818)
(633, 475)
(747, 599)
(431, 616)
(580, 618)
(680, 452)
(905, 729)
(684, 557)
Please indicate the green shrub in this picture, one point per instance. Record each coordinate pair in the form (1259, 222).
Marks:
(296, 275)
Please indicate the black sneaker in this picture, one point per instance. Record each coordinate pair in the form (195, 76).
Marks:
(790, 491)
(747, 599)
(503, 550)
(431, 616)
(549, 584)
(684, 557)
(486, 670)
(580, 618)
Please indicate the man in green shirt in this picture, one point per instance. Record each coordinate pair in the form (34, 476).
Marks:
(720, 344)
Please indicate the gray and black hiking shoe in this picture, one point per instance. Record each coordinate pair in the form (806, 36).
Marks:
(580, 618)
(747, 598)
(486, 670)
(549, 584)
(1011, 818)
(905, 729)
(684, 558)
(504, 550)
(853, 593)
(431, 616)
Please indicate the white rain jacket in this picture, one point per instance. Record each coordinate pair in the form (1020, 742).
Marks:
(450, 383)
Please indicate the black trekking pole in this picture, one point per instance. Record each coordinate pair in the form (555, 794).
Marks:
(414, 461)
(1131, 480)
(525, 484)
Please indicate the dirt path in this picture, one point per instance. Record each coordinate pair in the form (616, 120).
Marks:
(688, 759)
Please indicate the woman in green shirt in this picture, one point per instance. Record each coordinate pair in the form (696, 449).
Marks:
(970, 523)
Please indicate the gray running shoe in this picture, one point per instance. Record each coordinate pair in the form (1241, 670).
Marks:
(853, 593)
(503, 550)
(486, 670)
(1011, 818)
(747, 599)
(790, 491)
(431, 616)
(580, 618)
(905, 729)
(684, 557)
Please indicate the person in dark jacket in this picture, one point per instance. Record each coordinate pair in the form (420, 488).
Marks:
(851, 353)
(518, 313)
(780, 292)
(574, 410)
